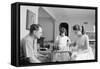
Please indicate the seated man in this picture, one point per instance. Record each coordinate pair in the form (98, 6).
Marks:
(28, 48)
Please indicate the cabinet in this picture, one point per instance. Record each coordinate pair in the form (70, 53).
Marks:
(92, 40)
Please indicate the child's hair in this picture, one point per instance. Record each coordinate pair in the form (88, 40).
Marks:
(62, 30)
(79, 28)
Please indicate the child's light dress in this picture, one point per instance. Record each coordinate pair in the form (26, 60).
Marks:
(63, 46)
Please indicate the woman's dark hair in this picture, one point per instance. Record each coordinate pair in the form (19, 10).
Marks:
(34, 27)
(83, 31)
(62, 30)
(79, 28)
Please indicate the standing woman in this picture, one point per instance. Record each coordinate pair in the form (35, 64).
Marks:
(84, 51)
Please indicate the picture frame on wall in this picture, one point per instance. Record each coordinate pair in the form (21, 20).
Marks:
(30, 18)
(48, 34)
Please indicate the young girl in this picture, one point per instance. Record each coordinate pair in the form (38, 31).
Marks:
(84, 51)
(62, 42)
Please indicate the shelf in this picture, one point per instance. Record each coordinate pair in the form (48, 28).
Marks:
(92, 40)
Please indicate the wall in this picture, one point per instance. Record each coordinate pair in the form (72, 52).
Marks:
(47, 26)
(23, 31)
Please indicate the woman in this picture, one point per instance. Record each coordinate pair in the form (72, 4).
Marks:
(83, 50)
(62, 42)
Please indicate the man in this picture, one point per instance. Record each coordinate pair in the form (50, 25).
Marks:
(29, 45)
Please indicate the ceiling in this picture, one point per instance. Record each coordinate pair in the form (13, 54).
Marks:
(43, 13)
(67, 12)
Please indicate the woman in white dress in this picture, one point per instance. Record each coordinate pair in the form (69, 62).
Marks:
(62, 43)
(83, 50)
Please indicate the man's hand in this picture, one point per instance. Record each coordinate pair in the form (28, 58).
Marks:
(34, 60)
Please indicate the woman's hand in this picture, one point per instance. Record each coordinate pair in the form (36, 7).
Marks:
(82, 51)
(74, 55)
(74, 48)
(72, 44)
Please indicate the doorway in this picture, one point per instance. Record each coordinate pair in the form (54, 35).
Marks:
(66, 26)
